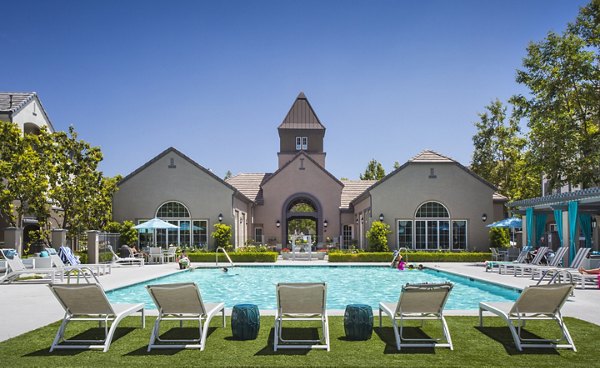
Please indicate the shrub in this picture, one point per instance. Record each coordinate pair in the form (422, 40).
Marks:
(128, 235)
(377, 237)
(499, 237)
(242, 257)
(411, 257)
(222, 235)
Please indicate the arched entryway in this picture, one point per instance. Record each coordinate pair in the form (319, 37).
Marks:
(303, 214)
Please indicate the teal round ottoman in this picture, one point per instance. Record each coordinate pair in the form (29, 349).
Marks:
(358, 321)
(245, 321)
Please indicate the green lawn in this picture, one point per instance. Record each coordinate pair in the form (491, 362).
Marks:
(490, 346)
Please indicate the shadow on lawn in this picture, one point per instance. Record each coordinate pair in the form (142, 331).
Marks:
(503, 336)
(96, 333)
(311, 333)
(386, 334)
(175, 333)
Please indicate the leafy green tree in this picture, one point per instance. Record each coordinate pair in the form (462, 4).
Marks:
(396, 165)
(500, 153)
(129, 235)
(377, 236)
(562, 73)
(374, 171)
(222, 235)
(24, 173)
(76, 185)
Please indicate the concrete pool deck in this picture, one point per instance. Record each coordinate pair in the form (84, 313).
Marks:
(26, 307)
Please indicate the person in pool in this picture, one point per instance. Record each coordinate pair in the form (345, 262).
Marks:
(224, 269)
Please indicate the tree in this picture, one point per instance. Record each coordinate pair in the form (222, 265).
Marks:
(500, 153)
(499, 237)
(374, 171)
(129, 235)
(24, 173)
(377, 237)
(228, 175)
(396, 165)
(222, 235)
(562, 73)
(76, 185)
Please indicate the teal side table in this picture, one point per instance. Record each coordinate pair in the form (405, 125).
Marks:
(245, 321)
(358, 321)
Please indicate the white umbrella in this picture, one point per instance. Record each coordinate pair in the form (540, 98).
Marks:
(154, 224)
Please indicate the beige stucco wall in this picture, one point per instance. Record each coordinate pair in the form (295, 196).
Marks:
(290, 181)
(142, 194)
(465, 197)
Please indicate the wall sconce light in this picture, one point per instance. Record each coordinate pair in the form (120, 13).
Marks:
(278, 224)
(381, 217)
(356, 217)
(220, 217)
(593, 222)
(325, 223)
(484, 217)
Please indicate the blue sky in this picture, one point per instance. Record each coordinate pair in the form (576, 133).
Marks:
(388, 79)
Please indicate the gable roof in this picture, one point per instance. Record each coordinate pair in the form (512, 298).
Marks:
(310, 159)
(301, 116)
(426, 156)
(194, 163)
(14, 102)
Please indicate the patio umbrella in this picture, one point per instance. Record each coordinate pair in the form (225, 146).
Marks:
(154, 224)
(186, 226)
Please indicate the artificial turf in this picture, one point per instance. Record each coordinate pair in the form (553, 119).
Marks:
(490, 346)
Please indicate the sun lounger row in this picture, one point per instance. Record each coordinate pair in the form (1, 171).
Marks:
(302, 302)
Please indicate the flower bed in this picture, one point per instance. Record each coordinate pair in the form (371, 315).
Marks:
(241, 257)
(412, 257)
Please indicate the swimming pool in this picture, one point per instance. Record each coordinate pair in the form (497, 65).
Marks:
(345, 285)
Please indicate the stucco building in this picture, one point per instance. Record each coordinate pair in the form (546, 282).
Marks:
(431, 202)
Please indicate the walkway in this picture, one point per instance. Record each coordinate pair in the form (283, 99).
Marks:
(27, 307)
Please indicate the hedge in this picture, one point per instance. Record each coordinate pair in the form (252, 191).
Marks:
(335, 257)
(235, 257)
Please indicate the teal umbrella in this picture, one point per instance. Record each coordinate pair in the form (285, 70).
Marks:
(155, 223)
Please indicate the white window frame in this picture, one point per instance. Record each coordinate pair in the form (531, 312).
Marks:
(301, 143)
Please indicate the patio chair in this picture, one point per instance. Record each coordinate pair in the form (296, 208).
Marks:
(520, 259)
(15, 269)
(541, 252)
(170, 254)
(536, 303)
(156, 255)
(97, 268)
(419, 302)
(125, 261)
(182, 302)
(573, 269)
(301, 302)
(88, 302)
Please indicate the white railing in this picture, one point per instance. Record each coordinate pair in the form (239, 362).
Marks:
(226, 255)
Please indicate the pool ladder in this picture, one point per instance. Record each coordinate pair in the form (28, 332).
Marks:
(82, 273)
(399, 253)
(226, 255)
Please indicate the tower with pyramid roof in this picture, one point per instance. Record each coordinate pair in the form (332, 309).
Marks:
(301, 130)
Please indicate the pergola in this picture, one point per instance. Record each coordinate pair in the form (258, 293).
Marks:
(575, 215)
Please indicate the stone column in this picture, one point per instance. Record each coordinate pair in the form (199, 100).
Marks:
(13, 238)
(59, 238)
(93, 245)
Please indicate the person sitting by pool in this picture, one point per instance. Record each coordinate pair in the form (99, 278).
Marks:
(183, 260)
(591, 271)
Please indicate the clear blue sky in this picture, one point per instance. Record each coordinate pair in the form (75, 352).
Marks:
(215, 79)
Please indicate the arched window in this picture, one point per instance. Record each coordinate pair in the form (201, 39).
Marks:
(172, 210)
(432, 210)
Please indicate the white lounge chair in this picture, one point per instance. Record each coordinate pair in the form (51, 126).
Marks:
(301, 302)
(182, 302)
(532, 269)
(98, 268)
(536, 303)
(88, 302)
(125, 261)
(419, 302)
(520, 259)
(541, 252)
(15, 269)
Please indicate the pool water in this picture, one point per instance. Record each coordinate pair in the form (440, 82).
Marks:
(345, 285)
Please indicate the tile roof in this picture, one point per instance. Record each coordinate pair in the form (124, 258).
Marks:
(301, 116)
(497, 197)
(430, 156)
(249, 184)
(14, 101)
(352, 189)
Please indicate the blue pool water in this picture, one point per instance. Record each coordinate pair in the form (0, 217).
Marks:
(345, 285)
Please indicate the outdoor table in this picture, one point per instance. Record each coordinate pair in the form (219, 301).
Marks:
(358, 321)
(245, 321)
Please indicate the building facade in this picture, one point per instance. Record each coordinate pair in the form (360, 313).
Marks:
(431, 202)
